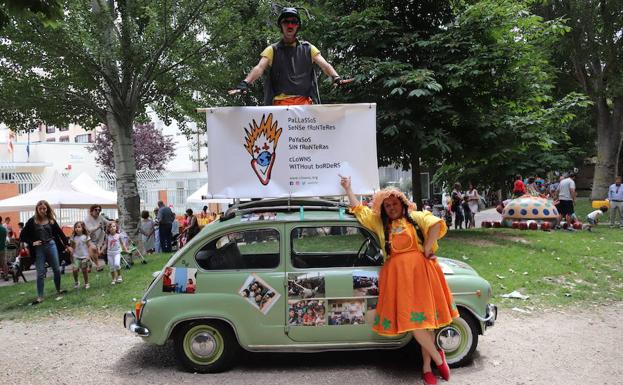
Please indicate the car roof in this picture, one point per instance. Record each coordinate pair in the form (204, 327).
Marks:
(285, 210)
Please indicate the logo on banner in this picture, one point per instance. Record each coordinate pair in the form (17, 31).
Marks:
(261, 142)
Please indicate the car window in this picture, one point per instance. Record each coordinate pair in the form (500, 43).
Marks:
(333, 246)
(248, 249)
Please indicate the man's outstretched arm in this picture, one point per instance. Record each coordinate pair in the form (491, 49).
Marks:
(256, 72)
(325, 66)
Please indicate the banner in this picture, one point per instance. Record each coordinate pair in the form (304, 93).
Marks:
(298, 151)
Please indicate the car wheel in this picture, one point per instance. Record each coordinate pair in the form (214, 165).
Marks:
(459, 339)
(205, 346)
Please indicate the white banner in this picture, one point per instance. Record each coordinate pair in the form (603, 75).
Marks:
(298, 151)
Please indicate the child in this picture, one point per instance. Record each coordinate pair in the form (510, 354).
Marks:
(113, 252)
(81, 243)
(593, 217)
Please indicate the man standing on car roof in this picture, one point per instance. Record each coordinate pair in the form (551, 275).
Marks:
(290, 61)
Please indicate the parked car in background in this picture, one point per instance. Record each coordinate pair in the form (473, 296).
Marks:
(288, 275)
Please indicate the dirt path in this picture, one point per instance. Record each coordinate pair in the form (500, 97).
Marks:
(558, 347)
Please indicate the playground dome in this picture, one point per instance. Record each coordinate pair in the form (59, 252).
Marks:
(529, 208)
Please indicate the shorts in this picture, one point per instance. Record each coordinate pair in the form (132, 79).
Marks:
(591, 221)
(565, 207)
(82, 263)
(114, 262)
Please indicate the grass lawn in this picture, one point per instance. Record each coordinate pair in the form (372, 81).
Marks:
(101, 297)
(557, 268)
(553, 268)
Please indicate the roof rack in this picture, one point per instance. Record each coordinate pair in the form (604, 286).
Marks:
(282, 205)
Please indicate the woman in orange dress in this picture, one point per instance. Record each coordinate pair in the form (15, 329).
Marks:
(413, 294)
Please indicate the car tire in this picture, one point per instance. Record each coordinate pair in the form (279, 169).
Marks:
(459, 339)
(205, 346)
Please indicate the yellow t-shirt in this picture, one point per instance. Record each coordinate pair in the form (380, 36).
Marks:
(424, 220)
(268, 53)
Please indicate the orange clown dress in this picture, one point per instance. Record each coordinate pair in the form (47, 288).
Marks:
(413, 293)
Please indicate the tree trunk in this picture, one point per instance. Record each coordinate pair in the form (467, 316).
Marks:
(416, 181)
(609, 127)
(128, 200)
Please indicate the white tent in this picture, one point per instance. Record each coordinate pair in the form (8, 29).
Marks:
(59, 193)
(84, 183)
(199, 197)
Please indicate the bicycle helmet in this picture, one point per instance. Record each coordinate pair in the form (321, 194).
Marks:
(287, 12)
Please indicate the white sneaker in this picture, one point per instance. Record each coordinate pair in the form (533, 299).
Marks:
(76, 285)
(113, 283)
(119, 279)
(86, 285)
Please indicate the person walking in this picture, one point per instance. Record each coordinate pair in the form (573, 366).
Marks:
(566, 197)
(95, 224)
(40, 233)
(615, 196)
(456, 200)
(147, 230)
(413, 294)
(473, 199)
(291, 79)
(4, 269)
(192, 225)
(165, 223)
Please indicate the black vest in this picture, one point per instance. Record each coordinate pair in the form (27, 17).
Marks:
(291, 72)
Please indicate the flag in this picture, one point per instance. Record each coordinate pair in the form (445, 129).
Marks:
(10, 141)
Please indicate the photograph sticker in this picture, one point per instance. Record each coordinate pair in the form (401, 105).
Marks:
(306, 313)
(365, 283)
(306, 285)
(258, 293)
(179, 280)
(346, 312)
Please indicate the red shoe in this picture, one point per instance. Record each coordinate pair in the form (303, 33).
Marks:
(429, 378)
(444, 369)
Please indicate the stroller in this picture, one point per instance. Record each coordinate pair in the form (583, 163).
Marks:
(127, 257)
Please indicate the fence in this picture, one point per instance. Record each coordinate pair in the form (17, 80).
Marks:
(176, 186)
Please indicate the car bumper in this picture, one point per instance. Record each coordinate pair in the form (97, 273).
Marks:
(492, 315)
(130, 323)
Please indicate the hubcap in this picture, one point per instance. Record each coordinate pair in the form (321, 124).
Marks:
(449, 338)
(203, 345)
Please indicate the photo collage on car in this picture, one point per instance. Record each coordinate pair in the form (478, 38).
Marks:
(259, 293)
(179, 280)
(308, 304)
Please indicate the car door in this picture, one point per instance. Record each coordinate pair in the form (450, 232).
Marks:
(242, 276)
(332, 289)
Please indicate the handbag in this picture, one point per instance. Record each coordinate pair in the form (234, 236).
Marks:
(481, 204)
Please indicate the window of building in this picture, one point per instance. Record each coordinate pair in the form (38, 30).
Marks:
(249, 249)
(50, 140)
(83, 138)
(64, 138)
(333, 246)
(50, 129)
(63, 128)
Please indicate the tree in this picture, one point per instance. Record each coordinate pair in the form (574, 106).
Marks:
(152, 149)
(48, 11)
(105, 62)
(466, 86)
(593, 55)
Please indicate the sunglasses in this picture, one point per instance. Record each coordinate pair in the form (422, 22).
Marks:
(97, 209)
(290, 21)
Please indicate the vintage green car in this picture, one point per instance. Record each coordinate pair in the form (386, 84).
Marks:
(288, 275)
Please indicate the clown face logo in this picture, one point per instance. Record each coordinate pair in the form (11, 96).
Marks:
(261, 142)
